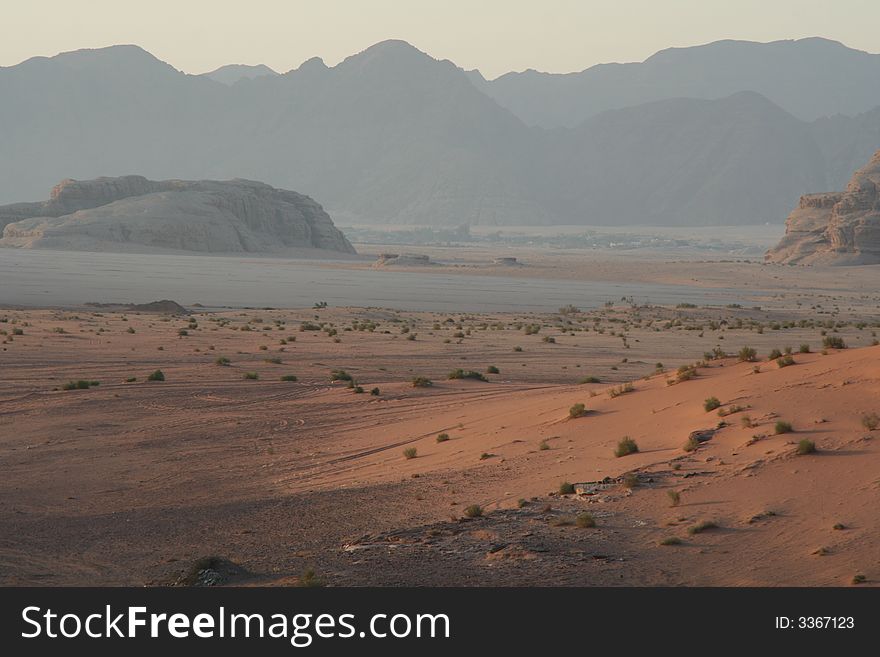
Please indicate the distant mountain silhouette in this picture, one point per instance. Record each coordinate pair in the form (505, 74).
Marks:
(393, 135)
(232, 73)
(809, 78)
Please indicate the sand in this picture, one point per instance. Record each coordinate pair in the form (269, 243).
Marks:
(130, 482)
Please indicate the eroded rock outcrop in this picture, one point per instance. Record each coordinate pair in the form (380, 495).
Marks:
(134, 213)
(838, 228)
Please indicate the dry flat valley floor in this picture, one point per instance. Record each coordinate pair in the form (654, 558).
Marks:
(132, 481)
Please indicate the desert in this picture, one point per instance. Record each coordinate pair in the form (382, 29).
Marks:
(332, 441)
(443, 295)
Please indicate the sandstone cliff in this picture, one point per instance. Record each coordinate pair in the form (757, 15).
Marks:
(839, 228)
(133, 213)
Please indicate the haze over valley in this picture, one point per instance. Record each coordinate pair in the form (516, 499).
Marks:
(730, 133)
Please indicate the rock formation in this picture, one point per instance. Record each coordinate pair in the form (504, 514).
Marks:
(132, 213)
(838, 228)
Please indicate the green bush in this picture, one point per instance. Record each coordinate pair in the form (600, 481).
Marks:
(703, 526)
(626, 446)
(566, 488)
(806, 447)
(410, 453)
(422, 382)
(711, 404)
(492, 370)
(251, 376)
(833, 342)
(288, 377)
(783, 427)
(442, 438)
(578, 410)
(158, 375)
(473, 511)
(79, 385)
(466, 374)
(340, 375)
(871, 421)
(585, 520)
(747, 354)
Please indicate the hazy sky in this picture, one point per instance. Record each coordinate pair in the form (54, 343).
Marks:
(495, 36)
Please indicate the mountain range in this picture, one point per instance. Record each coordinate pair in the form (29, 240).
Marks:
(727, 133)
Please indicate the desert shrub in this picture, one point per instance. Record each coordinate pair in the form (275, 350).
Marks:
(131, 379)
(785, 361)
(466, 374)
(442, 438)
(549, 339)
(746, 422)
(473, 511)
(309, 580)
(685, 373)
(182, 332)
(272, 361)
(340, 375)
(158, 375)
(492, 370)
(130, 329)
(562, 521)
(251, 376)
(859, 579)
(730, 410)
(691, 444)
(590, 379)
(626, 446)
(833, 342)
(804, 348)
(871, 421)
(703, 526)
(671, 540)
(422, 382)
(375, 392)
(410, 453)
(543, 445)
(358, 390)
(711, 404)
(222, 361)
(566, 488)
(578, 410)
(17, 331)
(805, 447)
(630, 480)
(621, 390)
(288, 377)
(747, 354)
(774, 354)
(78, 385)
(674, 497)
(517, 348)
(783, 427)
(585, 520)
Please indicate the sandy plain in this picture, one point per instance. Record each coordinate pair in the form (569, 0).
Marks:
(138, 482)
